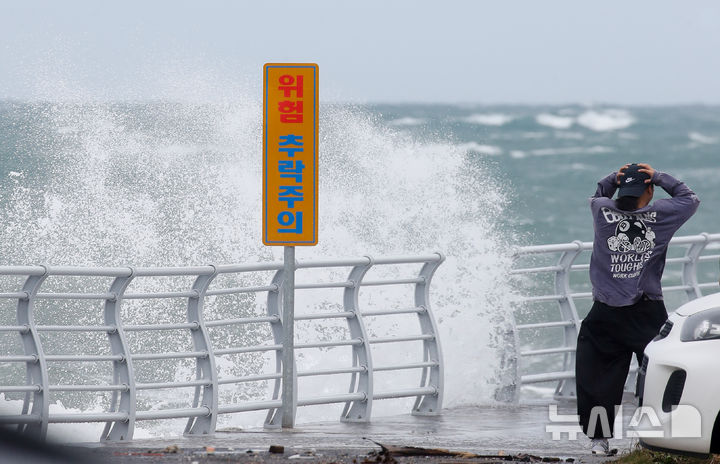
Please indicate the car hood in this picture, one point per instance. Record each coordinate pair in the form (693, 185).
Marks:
(700, 304)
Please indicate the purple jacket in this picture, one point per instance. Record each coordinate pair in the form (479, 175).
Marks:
(629, 248)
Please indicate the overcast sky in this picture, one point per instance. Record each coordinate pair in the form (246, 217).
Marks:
(503, 51)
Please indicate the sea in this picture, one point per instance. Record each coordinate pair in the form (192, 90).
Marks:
(167, 183)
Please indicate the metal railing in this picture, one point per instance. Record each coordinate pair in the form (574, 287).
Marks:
(202, 416)
(570, 283)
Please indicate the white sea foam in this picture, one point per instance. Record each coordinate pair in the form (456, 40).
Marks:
(580, 150)
(703, 139)
(532, 392)
(518, 154)
(68, 433)
(556, 122)
(489, 119)
(491, 150)
(606, 120)
(581, 167)
(407, 121)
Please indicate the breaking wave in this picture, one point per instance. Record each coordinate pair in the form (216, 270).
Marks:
(179, 184)
(489, 119)
(703, 139)
(606, 120)
(556, 122)
(407, 121)
(482, 149)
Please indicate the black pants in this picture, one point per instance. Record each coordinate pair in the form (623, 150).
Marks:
(608, 338)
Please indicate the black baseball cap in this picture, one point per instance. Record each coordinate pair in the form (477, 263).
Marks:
(633, 183)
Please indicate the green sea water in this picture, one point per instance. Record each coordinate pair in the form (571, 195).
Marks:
(549, 159)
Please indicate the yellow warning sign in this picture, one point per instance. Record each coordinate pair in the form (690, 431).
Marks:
(290, 154)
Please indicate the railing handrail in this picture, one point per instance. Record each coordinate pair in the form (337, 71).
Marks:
(166, 271)
(565, 297)
(557, 247)
(206, 405)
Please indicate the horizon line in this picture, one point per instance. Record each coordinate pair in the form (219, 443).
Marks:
(587, 104)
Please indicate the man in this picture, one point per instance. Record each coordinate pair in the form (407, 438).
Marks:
(628, 258)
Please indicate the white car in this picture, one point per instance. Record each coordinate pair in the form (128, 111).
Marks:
(679, 381)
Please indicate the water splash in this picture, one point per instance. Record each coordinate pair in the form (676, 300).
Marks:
(179, 184)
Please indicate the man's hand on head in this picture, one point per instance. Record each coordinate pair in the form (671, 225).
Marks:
(620, 173)
(647, 169)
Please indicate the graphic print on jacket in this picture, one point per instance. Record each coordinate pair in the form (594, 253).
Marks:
(633, 242)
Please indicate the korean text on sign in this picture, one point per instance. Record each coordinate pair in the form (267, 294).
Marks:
(290, 154)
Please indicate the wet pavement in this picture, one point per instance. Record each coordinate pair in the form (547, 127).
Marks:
(498, 430)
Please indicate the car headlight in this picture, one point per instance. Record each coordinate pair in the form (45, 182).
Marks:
(704, 325)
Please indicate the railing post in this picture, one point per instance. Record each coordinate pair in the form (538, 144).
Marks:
(566, 388)
(205, 367)
(508, 391)
(360, 382)
(274, 416)
(432, 352)
(123, 373)
(36, 371)
(690, 267)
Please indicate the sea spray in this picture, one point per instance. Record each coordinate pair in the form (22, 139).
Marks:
(179, 184)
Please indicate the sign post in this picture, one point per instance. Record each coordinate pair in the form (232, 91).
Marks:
(290, 185)
(289, 376)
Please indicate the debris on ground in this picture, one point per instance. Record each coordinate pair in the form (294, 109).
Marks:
(388, 453)
(172, 449)
(309, 454)
(645, 456)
